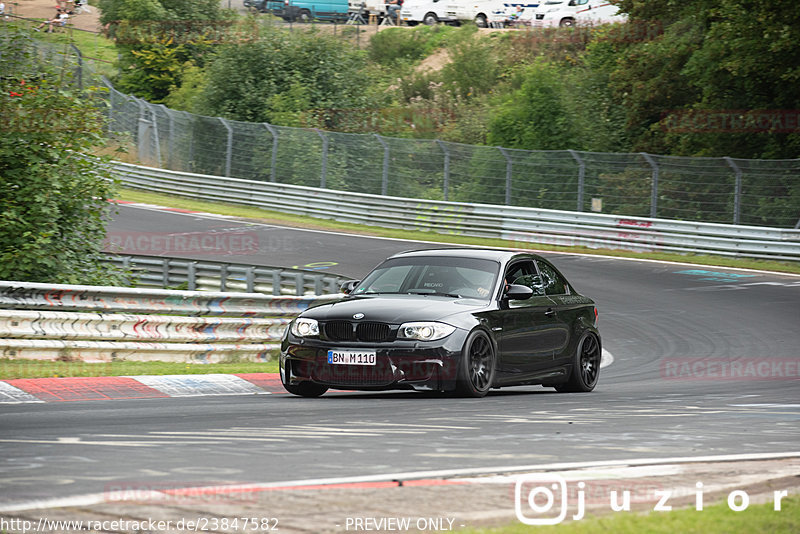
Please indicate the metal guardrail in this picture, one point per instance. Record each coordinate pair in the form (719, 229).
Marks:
(163, 272)
(720, 190)
(98, 323)
(523, 226)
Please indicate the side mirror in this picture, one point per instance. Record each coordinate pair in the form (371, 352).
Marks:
(518, 292)
(349, 286)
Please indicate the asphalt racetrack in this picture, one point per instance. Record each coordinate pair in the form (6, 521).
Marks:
(705, 363)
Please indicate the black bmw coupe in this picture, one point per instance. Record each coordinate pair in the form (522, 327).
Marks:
(461, 320)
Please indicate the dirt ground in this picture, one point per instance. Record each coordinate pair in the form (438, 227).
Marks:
(46, 9)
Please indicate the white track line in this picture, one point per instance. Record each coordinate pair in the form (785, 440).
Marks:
(100, 498)
(606, 359)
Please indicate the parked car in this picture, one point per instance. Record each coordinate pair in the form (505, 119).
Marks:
(308, 10)
(428, 12)
(463, 320)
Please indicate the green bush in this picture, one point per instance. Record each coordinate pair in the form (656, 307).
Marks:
(53, 198)
(475, 66)
(394, 44)
(536, 116)
(274, 79)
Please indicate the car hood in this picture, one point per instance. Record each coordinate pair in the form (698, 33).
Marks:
(396, 309)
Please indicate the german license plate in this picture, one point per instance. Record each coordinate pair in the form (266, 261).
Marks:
(351, 357)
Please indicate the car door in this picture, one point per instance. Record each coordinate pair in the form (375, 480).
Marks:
(564, 311)
(527, 340)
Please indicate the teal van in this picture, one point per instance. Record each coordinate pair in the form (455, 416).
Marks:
(308, 10)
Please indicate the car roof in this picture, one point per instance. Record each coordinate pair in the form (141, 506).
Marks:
(466, 252)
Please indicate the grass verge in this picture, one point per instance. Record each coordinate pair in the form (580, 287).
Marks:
(93, 45)
(717, 518)
(273, 217)
(11, 369)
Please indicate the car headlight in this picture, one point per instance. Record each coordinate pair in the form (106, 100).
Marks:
(425, 331)
(303, 327)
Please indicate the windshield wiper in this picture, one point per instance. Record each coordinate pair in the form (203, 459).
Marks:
(434, 293)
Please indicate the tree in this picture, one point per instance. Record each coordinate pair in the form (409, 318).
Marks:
(535, 117)
(158, 40)
(283, 75)
(53, 198)
(714, 58)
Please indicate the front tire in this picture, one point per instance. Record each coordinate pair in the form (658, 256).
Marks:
(477, 367)
(585, 367)
(481, 22)
(303, 389)
(430, 19)
(567, 23)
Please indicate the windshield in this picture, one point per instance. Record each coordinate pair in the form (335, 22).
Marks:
(423, 275)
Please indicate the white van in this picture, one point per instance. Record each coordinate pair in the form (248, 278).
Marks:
(562, 13)
(601, 14)
(426, 11)
(482, 12)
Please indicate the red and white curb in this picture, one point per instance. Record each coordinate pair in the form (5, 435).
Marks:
(30, 390)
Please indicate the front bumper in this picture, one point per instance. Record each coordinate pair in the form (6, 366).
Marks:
(425, 366)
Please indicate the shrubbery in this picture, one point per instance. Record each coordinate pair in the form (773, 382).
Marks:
(53, 198)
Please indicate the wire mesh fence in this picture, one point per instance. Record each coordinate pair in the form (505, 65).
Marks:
(720, 190)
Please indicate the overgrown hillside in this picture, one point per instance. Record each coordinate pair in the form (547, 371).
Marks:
(707, 78)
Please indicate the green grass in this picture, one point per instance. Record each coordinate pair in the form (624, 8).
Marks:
(10, 369)
(93, 46)
(273, 217)
(713, 519)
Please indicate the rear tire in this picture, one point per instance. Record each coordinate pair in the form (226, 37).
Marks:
(304, 16)
(477, 367)
(585, 367)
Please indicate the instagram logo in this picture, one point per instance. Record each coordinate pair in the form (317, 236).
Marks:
(535, 497)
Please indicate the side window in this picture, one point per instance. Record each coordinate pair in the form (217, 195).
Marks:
(524, 273)
(554, 284)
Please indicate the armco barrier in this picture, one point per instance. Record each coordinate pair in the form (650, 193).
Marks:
(520, 225)
(163, 272)
(97, 323)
